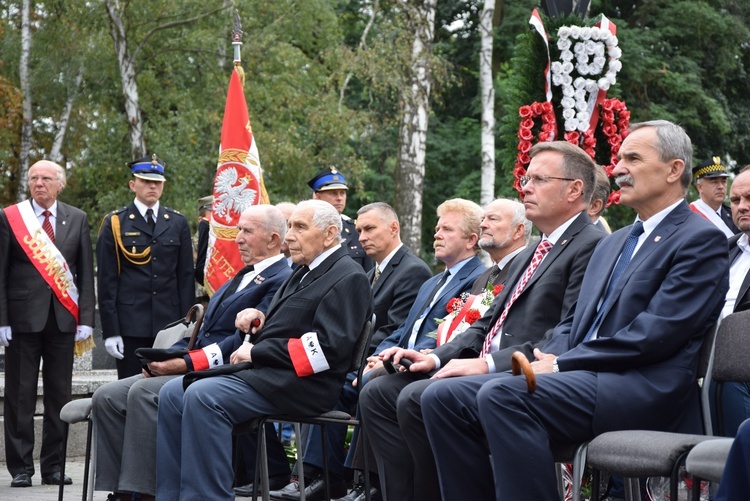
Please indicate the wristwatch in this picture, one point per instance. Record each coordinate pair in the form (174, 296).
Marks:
(555, 368)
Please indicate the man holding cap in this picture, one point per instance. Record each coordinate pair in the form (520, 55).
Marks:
(330, 186)
(711, 182)
(145, 268)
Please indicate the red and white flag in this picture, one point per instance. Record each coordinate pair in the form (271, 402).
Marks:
(238, 185)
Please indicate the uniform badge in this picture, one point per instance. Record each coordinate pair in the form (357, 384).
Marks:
(132, 233)
(132, 216)
(166, 216)
(346, 230)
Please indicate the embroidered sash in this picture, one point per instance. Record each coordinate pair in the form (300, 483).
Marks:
(43, 254)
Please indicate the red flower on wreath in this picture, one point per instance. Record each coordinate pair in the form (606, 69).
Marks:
(528, 113)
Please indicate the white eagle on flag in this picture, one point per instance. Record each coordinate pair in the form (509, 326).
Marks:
(231, 196)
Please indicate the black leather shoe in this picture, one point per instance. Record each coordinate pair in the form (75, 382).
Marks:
(316, 490)
(358, 494)
(54, 479)
(274, 483)
(290, 488)
(21, 480)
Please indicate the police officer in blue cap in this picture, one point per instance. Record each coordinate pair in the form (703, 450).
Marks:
(145, 268)
(330, 186)
(711, 182)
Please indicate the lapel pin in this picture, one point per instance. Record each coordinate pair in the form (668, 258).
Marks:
(132, 216)
(259, 279)
(63, 223)
(657, 238)
(563, 242)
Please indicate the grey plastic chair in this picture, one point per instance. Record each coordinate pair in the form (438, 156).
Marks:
(638, 453)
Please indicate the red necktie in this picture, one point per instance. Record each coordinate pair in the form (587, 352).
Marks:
(47, 226)
(541, 250)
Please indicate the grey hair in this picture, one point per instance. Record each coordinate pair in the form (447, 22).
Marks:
(271, 219)
(672, 142)
(324, 215)
(385, 211)
(519, 217)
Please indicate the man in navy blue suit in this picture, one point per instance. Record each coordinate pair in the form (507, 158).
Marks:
(125, 411)
(626, 355)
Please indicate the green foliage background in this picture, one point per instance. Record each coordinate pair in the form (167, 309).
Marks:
(685, 61)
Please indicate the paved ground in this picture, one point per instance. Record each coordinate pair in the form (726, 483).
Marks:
(38, 492)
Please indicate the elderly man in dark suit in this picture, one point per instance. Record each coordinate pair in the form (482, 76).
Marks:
(145, 275)
(294, 362)
(557, 192)
(124, 411)
(396, 278)
(626, 355)
(46, 305)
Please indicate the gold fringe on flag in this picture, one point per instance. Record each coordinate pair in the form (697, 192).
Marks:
(82, 347)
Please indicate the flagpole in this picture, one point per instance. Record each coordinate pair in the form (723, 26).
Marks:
(237, 43)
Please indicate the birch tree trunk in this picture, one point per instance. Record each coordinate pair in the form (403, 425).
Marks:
(62, 125)
(26, 125)
(127, 78)
(487, 88)
(415, 108)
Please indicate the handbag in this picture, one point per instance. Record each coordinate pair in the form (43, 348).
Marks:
(183, 328)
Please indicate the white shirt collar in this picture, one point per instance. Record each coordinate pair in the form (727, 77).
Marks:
(555, 235)
(388, 258)
(38, 209)
(322, 256)
(142, 208)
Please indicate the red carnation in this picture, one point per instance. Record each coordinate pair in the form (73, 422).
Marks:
(454, 305)
(472, 316)
(497, 289)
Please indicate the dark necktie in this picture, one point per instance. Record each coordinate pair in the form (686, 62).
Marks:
(47, 226)
(232, 288)
(296, 279)
(541, 250)
(376, 276)
(622, 263)
(150, 220)
(494, 272)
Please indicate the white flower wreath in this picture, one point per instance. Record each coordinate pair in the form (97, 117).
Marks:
(589, 44)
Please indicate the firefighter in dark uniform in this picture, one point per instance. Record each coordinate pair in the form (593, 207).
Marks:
(330, 186)
(145, 268)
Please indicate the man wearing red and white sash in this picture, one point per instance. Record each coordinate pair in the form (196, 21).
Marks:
(46, 305)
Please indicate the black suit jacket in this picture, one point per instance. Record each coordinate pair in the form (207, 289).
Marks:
(24, 295)
(726, 216)
(334, 301)
(351, 241)
(141, 300)
(743, 298)
(396, 291)
(550, 292)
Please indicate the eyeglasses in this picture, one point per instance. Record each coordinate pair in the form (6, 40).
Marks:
(539, 180)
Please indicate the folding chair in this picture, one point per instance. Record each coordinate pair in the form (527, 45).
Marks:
(79, 410)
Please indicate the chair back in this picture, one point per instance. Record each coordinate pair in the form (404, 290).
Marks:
(730, 357)
(359, 356)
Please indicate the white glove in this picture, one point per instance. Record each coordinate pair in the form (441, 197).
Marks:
(83, 332)
(115, 347)
(5, 335)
